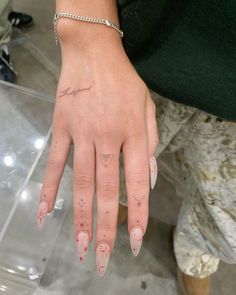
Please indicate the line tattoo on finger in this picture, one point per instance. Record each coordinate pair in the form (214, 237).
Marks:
(73, 92)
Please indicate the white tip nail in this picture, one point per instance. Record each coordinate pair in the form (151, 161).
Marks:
(153, 171)
(102, 258)
(136, 238)
(82, 242)
(41, 214)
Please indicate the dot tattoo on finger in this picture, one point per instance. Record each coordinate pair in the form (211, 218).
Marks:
(138, 199)
(83, 224)
(81, 203)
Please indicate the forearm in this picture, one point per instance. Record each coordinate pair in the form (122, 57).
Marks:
(86, 35)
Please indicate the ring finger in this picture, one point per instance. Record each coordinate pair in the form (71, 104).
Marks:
(83, 189)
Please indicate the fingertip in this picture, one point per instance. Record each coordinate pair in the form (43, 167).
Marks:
(136, 238)
(82, 243)
(41, 214)
(103, 252)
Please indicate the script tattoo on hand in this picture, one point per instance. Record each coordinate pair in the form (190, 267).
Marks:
(73, 92)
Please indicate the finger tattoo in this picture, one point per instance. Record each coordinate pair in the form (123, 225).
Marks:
(81, 202)
(107, 159)
(138, 199)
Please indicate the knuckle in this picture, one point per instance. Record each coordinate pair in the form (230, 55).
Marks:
(83, 180)
(104, 131)
(49, 188)
(107, 188)
(108, 229)
(54, 163)
(153, 107)
(137, 181)
(136, 127)
(105, 127)
(134, 122)
(155, 141)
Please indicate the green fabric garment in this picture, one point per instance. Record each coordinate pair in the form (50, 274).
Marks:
(185, 50)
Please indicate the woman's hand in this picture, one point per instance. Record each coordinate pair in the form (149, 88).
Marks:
(103, 108)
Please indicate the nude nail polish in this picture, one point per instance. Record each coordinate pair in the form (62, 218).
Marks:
(136, 238)
(102, 258)
(42, 213)
(82, 242)
(153, 171)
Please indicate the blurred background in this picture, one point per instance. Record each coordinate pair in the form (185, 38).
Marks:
(32, 262)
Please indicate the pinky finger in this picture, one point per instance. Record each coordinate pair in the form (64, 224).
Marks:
(55, 166)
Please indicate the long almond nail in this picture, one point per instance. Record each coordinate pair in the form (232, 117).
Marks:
(42, 213)
(136, 238)
(102, 258)
(153, 171)
(82, 243)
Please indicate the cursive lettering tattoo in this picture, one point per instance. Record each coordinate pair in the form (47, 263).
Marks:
(73, 92)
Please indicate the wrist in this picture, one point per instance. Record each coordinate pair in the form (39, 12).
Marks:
(87, 38)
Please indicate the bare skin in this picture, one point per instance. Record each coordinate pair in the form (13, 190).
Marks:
(102, 107)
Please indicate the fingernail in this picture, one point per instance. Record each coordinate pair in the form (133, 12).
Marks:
(42, 213)
(136, 238)
(153, 171)
(82, 243)
(102, 258)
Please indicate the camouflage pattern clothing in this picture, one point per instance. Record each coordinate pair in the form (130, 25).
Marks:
(202, 168)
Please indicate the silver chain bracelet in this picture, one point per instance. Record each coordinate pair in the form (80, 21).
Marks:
(87, 19)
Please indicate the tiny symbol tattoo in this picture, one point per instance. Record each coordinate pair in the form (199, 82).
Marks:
(73, 92)
(138, 199)
(81, 202)
(83, 223)
(107, 159)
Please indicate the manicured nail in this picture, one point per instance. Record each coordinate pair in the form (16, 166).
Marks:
(153, 171)
(82, 243)
(136, 238)
(42, 213)
(102, 258)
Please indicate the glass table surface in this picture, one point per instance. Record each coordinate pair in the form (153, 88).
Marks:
(25, 127)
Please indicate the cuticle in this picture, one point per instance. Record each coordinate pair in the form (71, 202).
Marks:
(103, 242)
(137, 226)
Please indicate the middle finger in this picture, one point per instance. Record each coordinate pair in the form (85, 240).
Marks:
(107, 191)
